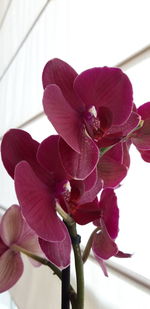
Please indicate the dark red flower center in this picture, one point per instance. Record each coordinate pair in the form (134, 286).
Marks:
(98, 122)
(93, 124)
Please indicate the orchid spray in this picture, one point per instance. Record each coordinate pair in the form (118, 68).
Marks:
(71, 178)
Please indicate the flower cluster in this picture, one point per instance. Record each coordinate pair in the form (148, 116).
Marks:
(58, 181)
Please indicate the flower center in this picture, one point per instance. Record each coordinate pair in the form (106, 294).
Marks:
(63, 190)
(92, 124)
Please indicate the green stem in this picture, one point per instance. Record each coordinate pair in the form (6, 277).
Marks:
(65, 288)
(88, 247)
(78, 267)
(54, 268)
(71, 225)
(39, 259)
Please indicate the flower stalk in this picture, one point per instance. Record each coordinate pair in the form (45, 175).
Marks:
(78, 266)
(88, 247)
(65, 299)
(71, 293)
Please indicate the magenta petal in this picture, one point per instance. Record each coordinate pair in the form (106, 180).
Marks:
(103, 246)
(111, 171)
(102, 265)
(11, 225)
(17, 145)
(77, 189)
(126, 156)
(48, 157)
(58, 253)
(86, 213)
(62, 74)
(121, 254)
(15, 230)
(11, 269)
(109, 140)
(141, 137)
(90, 181)
(108, 87)
(90, 195)
(37, 204)
(79, 166)
(144, 110)
(145, 154)
(110, 211)
(63, 117)
(126, 127)
(29, 240)
(3, 247)
(116, 153)
(105, 116)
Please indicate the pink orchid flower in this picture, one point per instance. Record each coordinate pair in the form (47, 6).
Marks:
(39, 181)
(40, 177)
(14, 231)
(105, 214)
(103, 245)
(82, 108)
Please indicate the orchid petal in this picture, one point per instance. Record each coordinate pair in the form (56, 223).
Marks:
(126, 156)
(127, 127)
(79, 166)
(111, 171)
(63, 75)
(3, 247)
(108, 87)
(109, 140)
(15, 230)
(103, 246)
(105, 116)
(77, 189)
(48, 157)
(109, 212)
(58, 253)
(102, 264)
(17, 145)
(144, 110)
(121, 254)
(28, 240)
(145, 154)
(63, 117)
(11, 225)
(91, 180)
(141, 137)
(116, 153)
(90, 195)
(11, 269)
(37, 203)
(85, 213)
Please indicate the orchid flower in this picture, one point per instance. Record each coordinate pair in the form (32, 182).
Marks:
(102, 240)
(103, 245)
(14, 232)
(82, 108)
(39, 181)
